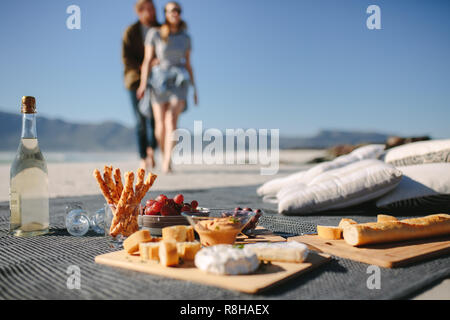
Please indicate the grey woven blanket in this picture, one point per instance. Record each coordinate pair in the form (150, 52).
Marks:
(41, 267)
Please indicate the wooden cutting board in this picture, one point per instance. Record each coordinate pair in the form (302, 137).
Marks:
(388, 255)
(267, 276)
(260, 234)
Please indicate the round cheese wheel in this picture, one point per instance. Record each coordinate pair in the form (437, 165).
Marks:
(225, 259)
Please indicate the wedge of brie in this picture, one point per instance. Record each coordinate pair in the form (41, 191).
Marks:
(290, 251)
(225, 259)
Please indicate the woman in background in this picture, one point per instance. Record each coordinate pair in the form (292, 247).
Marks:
(169, 81)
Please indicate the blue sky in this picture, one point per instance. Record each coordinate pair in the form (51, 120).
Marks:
(296, 65)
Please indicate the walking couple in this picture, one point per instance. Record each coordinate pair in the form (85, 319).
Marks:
(157, 73)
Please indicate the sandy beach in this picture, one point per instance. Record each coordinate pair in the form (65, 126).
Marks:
(75, 178)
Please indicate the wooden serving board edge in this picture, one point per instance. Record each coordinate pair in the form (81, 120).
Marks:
(324, 259)
(373, 260)
(422, 257)
(318, 259)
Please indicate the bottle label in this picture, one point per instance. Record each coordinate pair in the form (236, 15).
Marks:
(13, 199)
(14, 207)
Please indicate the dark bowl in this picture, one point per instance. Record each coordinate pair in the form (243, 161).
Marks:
(155, 223)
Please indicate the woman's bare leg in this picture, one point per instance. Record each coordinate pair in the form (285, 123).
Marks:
(171, 119)
(143, 164)
(159, 113)
(150, 160)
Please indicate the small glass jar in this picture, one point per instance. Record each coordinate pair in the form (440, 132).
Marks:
(77, 219)
(122, 228)
(97, 221)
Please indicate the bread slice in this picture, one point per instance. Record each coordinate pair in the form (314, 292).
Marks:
(168, 253)
(329, 232)
(190, 235)
(188, 250)
(156, 239)
(390, 231)
(149, 250)
(178, 233)
(346, 222)
(131, 244)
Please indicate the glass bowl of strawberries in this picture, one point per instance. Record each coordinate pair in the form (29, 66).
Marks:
(164, 212)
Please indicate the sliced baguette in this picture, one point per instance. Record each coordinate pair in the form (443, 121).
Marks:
(385, 218)
(329, 232)
(188, 250)
(346, 222)
(390, 231)
(168, 253)
(149, 250)
(131, 244)
(178, 233)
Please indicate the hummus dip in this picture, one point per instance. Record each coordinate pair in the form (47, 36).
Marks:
(218, 231)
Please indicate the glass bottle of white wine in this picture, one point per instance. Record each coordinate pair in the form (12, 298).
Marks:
(29, 205)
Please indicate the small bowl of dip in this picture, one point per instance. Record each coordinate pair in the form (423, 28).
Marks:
(219, 230)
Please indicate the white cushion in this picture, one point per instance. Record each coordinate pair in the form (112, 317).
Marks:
(372, 151)
(353, 184)
(431, 151)
(272, 187)
(420, 186)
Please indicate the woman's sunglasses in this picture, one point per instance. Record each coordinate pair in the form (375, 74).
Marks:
(177, 10)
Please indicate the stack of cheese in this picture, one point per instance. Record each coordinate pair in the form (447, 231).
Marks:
(177, 242)
(387, 229)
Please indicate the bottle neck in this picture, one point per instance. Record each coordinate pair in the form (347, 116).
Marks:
(29, 126)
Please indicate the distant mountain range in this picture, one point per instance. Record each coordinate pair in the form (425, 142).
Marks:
(59, 135)
(329, 138)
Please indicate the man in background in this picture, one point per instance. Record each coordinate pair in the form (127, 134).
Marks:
(132, 57)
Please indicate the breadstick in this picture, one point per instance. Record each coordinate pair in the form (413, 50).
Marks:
(390, 231)
(121, 206)
(117, 223)
(107, 175)
(131, 197)
(140, 180)
(130, 208)
(139, 194)
(131, 228)
(147, 185)
(103, 187)
(118, 180)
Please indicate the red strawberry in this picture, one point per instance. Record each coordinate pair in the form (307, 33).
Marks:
(179, 198)
(166, 211)
(156, 206)
(150, 212)
(161, 198)
(186, 208)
